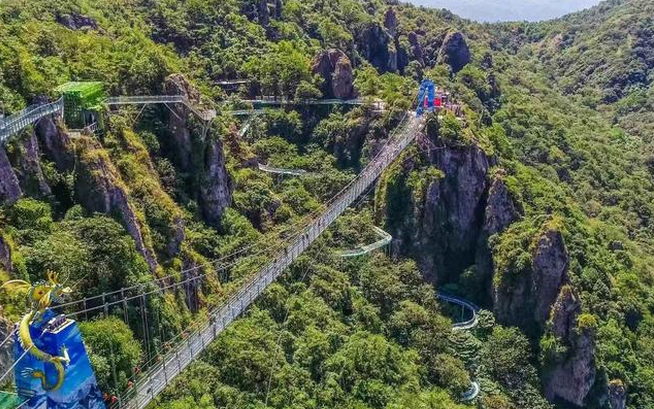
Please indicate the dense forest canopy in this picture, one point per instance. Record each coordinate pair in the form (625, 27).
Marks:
(537, 204)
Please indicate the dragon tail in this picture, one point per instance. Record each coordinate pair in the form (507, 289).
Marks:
(60, 377)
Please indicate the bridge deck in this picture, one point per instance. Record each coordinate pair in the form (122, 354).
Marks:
(172, 364)
(21, 120)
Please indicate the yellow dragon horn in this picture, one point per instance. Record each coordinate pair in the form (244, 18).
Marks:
(15, 285)
(52, 277)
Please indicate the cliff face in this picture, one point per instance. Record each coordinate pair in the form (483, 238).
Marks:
(336, 71)
(26, 158)
(98, 188)
(216, 185)
(55, 143)
(9, 186)
(202, 160)
(455, 51)
(440, 225)
(524, 299)
(573, 375)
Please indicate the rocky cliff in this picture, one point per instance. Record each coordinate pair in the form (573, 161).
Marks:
(335, 68)
(26, 158)
(9, 186)
(439, 222)
(55, 143)
(527, 283)
(216, 185)
(98, 188)
(573, 374)
(201, 160)
(455, 51)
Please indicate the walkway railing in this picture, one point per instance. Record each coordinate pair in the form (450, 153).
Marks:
(146, 99)
(205, 115)
(15, 123)
(465, 325)
(282, 171)
(172, 364)
(386, 239)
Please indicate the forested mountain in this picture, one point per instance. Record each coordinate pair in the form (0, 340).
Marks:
(537, 205)
(512, 10)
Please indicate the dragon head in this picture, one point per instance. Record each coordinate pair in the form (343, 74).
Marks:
(42, 293)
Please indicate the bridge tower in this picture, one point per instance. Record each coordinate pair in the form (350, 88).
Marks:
(51, 367)
(426, 97)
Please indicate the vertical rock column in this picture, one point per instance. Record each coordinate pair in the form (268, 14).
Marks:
(10, 189)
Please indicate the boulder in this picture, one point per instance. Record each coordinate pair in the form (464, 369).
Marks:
(10, 190)
(455, 51)
(98, 188)
(574, 374)
(335, 68)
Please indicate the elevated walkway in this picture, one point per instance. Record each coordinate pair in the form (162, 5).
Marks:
(472, 393)
(466, 305)
(385, 240)
(204, 114)
(15, 123)
(282, 171)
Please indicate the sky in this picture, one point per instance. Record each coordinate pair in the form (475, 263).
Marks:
(509, 10)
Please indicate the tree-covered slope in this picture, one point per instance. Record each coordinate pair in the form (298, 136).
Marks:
(536, 204)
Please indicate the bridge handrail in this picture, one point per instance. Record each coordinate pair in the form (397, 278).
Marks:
(469, 324)
(359, 251)
(155, 380)
(20, 120)
(282, 171)
(145, 99)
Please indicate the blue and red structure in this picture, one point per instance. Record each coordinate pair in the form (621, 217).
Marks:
(426, 97)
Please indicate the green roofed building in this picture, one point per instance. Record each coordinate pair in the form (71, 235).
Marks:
(82, 103)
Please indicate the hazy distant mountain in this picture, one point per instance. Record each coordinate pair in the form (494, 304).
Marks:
(509, 10)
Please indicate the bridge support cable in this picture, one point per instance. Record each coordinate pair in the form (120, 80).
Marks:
(172, 364)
